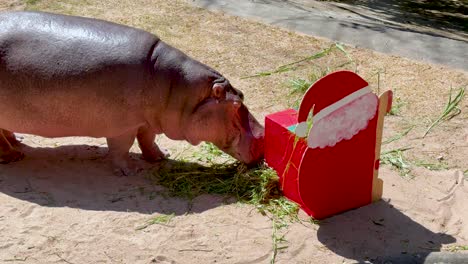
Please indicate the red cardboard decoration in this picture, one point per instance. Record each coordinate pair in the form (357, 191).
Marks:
(332, 166)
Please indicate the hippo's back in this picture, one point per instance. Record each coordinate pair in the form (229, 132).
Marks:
(52, 45)
(71, 76)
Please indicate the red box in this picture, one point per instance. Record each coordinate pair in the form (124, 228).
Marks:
(284, 151)
(329, 173)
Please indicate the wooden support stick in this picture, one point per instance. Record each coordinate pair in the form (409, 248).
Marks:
(385, 104)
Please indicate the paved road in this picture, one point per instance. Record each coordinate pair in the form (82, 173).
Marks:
(345, 24)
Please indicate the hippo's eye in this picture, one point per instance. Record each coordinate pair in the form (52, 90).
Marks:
(238, 93)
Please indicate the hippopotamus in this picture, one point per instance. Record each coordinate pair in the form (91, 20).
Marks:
(63, 76)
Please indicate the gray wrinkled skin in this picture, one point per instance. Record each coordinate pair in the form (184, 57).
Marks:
(72, 76)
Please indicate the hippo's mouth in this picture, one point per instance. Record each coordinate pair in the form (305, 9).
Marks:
(193, 141)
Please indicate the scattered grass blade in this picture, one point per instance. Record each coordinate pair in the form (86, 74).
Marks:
(451, 109)
(293, 65)
(160, 219)
(395, 159)
(398, 136)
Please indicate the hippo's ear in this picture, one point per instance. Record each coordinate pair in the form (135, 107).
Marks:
(219, 91)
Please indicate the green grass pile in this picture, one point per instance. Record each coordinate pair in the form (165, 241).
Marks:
(210, 171)
(189, 180)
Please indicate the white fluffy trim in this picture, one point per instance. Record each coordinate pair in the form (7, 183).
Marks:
(344, 122)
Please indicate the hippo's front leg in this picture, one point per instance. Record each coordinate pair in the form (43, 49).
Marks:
(149, 149)
(10, 136)
(118, 152)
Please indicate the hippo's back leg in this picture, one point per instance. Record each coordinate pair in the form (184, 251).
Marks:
(7, 152)
(118, 152)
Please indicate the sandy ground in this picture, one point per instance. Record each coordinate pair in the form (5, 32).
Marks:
(62, 204)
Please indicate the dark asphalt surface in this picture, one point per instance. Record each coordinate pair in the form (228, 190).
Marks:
(356, 28)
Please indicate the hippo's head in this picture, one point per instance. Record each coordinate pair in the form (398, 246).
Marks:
(224, 120)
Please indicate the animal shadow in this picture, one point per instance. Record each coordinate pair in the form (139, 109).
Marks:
(80, 176)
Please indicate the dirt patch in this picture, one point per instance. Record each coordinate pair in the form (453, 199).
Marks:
(12, 5)
(62, 205)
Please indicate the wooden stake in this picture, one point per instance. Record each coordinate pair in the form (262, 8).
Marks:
(385, 104)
